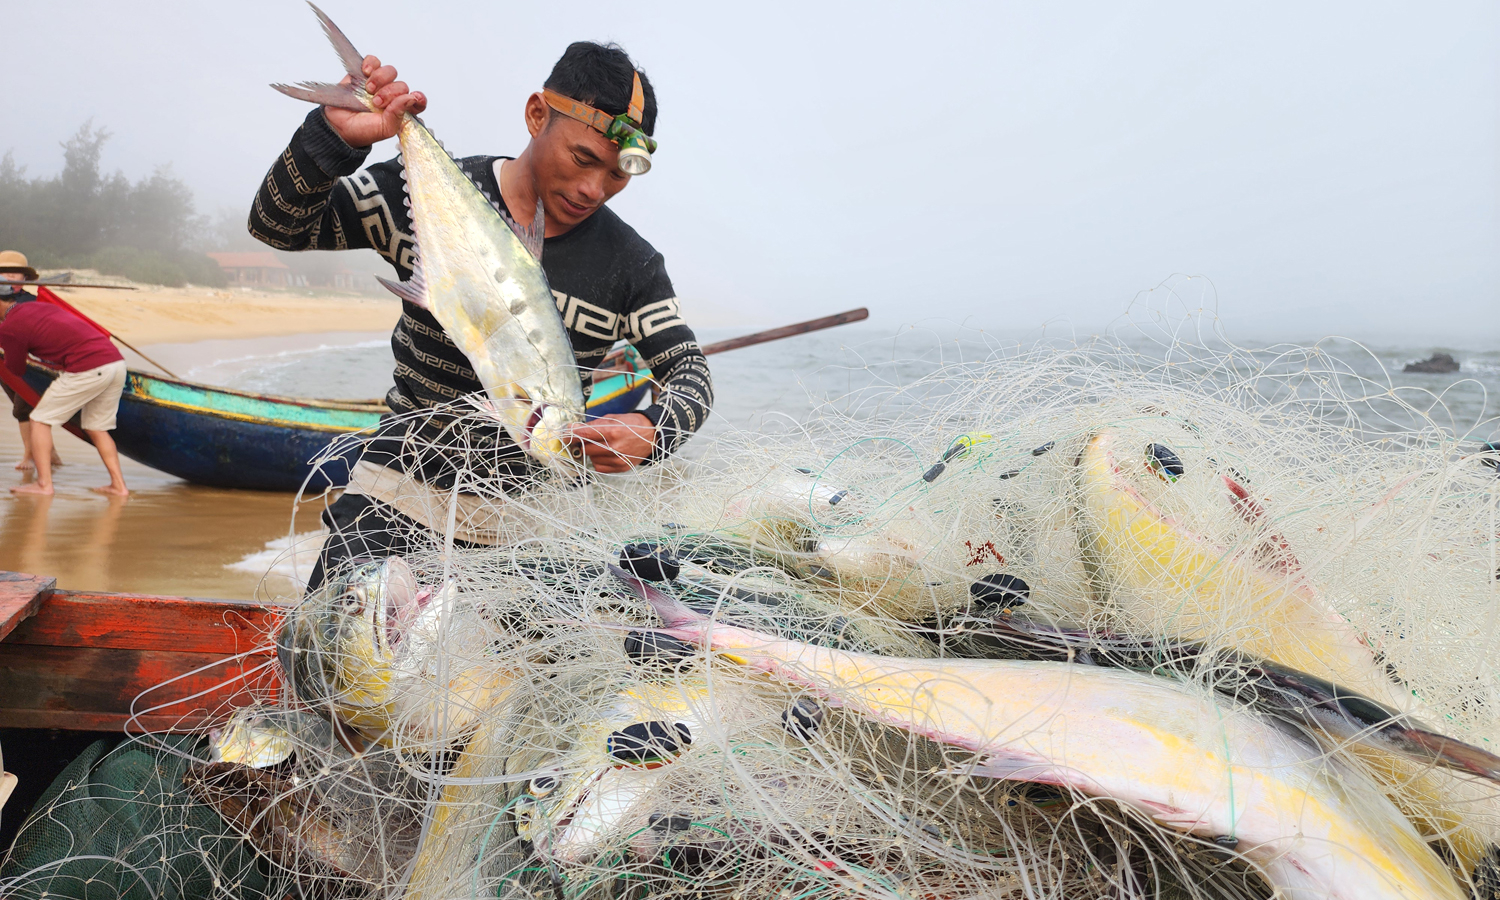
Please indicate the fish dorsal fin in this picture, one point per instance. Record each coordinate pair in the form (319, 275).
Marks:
(351, 58)
(413, 290)
(531, 237)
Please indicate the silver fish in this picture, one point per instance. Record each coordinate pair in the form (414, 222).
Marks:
(1190, 763)
(481, 277)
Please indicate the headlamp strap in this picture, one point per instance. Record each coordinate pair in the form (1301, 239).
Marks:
(637, 108)
(594, 118)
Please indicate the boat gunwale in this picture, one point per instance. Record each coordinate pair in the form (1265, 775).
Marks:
(291, 424)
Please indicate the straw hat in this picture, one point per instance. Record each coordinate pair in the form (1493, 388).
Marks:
(13, 261)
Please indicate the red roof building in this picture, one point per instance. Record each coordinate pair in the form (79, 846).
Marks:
(256, 268)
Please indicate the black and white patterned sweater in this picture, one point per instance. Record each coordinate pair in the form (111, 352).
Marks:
(609, 284)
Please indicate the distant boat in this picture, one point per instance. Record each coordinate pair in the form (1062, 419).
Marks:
(236, 439)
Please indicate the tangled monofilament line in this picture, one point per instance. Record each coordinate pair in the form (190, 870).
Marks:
(510, 721)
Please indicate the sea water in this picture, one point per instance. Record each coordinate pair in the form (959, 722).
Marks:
(171, 537)
(786, 379)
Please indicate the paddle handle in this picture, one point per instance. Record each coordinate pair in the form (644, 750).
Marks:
(786, 331)
(43, 293)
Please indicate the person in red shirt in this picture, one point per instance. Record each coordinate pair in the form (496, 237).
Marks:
(15, 263)
(91, 381)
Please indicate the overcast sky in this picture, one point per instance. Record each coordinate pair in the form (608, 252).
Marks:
(1331, 167)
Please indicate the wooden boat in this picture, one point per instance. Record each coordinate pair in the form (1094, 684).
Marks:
(91, 661)
(237, 439)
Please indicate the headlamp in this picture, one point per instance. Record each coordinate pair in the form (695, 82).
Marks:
(623, 130)
(635, 146)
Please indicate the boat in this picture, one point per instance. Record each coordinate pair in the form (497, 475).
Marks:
(237, 439)
(94, 661)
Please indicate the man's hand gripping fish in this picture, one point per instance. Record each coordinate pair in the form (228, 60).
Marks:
(481, 276)
(1157, 746)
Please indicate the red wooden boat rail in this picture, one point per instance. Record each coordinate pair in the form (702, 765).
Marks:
(91, 661)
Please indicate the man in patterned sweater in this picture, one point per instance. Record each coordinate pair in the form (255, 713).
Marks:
(609, 284)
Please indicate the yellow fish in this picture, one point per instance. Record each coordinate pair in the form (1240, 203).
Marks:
(1161, 577)
(1166, 750)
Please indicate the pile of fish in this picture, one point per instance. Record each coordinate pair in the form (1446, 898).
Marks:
(1107, 663)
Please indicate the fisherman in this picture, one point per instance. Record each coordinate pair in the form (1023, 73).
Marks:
(589, 130)
(91, 381)
(13, 268)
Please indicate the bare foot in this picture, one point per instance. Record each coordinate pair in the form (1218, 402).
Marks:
(32, 489)
(26, 465)
(111, 490)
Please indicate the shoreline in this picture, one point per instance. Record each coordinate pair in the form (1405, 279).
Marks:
(161, 315)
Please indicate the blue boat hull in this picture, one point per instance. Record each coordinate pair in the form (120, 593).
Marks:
(234, 439)
(222, 452)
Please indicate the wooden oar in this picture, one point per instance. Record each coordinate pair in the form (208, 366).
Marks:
(43, 293)
(761, 337)
(786, 331)
(80, 284)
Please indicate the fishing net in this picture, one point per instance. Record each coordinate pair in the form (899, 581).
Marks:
(1162, 512)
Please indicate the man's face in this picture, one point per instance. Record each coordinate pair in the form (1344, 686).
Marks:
(577, 170)
(12, 276)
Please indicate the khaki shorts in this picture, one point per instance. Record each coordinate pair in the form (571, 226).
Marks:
(96, 392)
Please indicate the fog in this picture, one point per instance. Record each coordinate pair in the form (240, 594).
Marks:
(1330, 167)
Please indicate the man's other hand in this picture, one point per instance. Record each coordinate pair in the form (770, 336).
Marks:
(617, 443)
(392, 99)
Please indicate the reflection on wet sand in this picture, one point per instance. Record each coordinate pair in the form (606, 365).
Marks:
(168, 537)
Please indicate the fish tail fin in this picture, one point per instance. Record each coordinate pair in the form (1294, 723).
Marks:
(672, 611)
(340, 96)
(1455, 754)
(352, 59)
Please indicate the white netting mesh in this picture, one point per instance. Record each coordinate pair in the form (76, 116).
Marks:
(507, 721)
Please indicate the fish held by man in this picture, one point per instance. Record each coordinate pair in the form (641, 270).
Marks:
(481, 277)
(1148, 743)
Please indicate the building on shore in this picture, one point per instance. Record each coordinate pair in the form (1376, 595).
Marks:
(260, 268)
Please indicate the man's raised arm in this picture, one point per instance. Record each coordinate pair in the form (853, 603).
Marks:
(298, 206)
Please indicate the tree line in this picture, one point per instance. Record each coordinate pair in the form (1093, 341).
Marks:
(147, 231)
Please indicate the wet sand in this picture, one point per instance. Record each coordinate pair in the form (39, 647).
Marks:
(168, 537)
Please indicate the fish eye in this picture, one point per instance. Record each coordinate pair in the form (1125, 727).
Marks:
(803, 718)
(1164, 462)
(647, 741)
(542, 785)
(998, 592)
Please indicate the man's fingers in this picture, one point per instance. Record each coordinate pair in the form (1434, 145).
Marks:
(380, 78)
(371, 63)
(385, 95)
(413, 103)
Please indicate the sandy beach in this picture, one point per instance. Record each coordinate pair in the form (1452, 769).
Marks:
(171, 537)
(160, 315)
